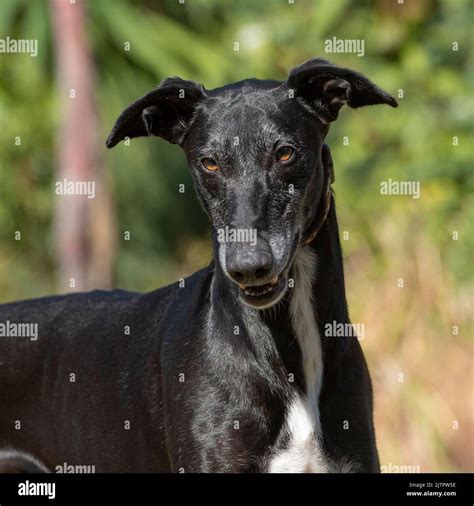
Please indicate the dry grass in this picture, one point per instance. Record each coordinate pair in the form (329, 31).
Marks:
(422, 374)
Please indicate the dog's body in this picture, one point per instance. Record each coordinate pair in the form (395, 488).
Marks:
(198, 396)
(201, 376)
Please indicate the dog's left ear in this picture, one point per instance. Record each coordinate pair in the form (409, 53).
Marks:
(328, 164)
(326, 88)
(164, 112)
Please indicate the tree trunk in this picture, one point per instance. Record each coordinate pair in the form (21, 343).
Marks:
(84, 227)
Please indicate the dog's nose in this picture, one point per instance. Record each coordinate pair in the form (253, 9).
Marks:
(247, 266)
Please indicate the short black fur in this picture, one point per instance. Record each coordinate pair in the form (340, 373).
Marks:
(198, 396)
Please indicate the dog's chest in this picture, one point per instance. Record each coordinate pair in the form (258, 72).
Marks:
(302, 451)
(301, 432)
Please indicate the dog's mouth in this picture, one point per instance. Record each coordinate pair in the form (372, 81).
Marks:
(264, 296)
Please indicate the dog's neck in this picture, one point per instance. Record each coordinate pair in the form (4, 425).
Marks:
(318, 292)
(329, 287)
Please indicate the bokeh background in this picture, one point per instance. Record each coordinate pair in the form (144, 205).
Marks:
(418, 337)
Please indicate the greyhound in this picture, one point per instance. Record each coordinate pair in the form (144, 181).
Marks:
(229, 370)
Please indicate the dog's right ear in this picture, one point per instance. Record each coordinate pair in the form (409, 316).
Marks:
(165, 112)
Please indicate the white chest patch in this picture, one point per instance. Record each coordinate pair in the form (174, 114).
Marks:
(303, 452)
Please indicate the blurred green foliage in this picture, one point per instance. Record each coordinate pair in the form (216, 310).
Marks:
(409, 51)
(408, 47)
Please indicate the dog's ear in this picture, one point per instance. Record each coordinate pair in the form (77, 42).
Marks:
(165, 112)
(328, 164)
(326, 88)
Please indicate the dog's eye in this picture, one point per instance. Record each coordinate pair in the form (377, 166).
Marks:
(209, 164)
(285, 154)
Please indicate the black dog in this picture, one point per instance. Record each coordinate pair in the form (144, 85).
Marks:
(231, 372)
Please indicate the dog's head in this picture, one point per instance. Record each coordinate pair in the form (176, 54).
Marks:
(256, 153)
